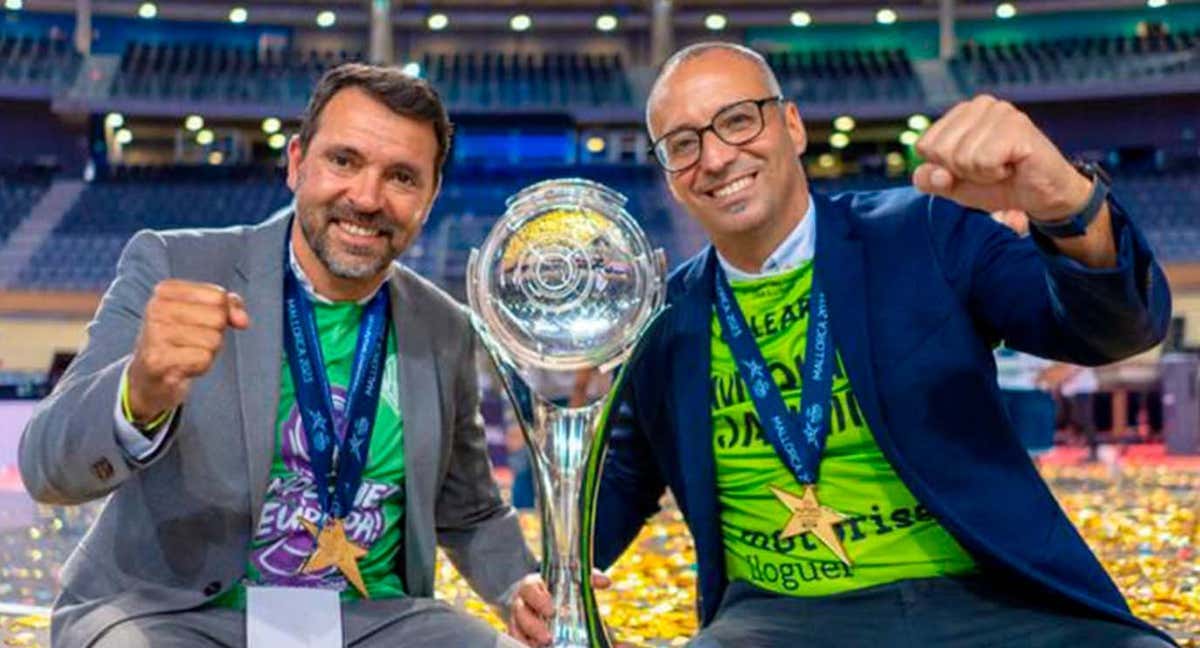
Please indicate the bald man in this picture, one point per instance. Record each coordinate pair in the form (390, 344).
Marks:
(821, 398)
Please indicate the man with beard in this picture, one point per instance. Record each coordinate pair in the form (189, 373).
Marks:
(284, 405)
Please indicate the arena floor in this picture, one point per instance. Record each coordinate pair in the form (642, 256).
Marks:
(1139, 513)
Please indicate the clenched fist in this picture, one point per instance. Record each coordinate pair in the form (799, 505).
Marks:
(182, 332)
(987, 154)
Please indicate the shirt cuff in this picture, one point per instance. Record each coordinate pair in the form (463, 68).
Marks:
(138, 445)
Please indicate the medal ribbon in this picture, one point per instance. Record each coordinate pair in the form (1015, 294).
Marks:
(337, 470)
(798, 440)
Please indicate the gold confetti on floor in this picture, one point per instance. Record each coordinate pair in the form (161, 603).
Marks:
(1141, 521)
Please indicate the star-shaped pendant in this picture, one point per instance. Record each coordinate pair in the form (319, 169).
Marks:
(808, 516)
(335, 549)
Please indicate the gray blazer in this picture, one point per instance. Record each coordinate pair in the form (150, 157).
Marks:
(176, 529)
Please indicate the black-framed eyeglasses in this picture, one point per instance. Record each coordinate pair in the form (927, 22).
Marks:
(734, 124)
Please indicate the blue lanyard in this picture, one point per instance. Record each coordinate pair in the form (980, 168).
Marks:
(315, 400)
(799, 441)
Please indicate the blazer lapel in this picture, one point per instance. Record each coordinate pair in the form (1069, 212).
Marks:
(259, 349)
(420, 405)
(691, 396)
(840, 261)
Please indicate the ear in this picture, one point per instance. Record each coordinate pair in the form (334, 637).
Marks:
(295, 155)
(795, 128)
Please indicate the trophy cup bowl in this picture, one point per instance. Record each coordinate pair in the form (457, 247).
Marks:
(565, 281)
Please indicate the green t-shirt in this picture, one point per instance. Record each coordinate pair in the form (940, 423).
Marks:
(888, 534)
(281, 544)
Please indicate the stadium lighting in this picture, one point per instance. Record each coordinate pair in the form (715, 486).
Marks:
(895, 160)
(1155, 4)
(13, 5)
(845, 123)
(238, 15)
(918, 122)
(606, 22)
(715, 22)
(885, 16)
(326, 19)
(216, 157)
(124, 136)
(520, 22)
(1005, 10)
(595, 144)
(147, 10)
(437, 21)
(271, 125)
(839, 140)
(114, 120)
(826, 161)
(204, 137)
(277, 141)
(412, 69)
(801, 19)
(908, 137)
(193, 122)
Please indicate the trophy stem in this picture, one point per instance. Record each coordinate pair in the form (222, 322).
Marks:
(559, 457)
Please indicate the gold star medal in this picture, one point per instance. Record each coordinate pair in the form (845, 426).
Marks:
(335, 549)
(808, 516)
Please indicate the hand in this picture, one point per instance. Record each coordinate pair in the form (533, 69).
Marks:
(182, 331)
(532, 607)
(988, 155)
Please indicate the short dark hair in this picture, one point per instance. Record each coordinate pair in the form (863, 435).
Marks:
(404, 94)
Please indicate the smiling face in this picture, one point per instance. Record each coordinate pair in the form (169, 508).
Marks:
(363, 189)
(753, 190)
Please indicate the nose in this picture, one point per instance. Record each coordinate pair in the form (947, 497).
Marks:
(365, 194)
(715, 154)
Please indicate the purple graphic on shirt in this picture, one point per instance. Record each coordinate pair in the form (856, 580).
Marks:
(281, 543)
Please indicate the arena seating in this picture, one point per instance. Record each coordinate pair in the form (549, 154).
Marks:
(45, 62)
(1077, 60)
(20, 188)
(518, 80)
(212, 72)
(836, 76)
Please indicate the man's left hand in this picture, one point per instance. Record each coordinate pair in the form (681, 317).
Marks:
(988, 155)
(532, 607)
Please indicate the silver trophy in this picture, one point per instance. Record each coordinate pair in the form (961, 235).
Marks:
(565, 281)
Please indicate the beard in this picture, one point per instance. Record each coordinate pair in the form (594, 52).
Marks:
(346, 261)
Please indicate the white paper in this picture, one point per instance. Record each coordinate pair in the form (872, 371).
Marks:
(293, 616)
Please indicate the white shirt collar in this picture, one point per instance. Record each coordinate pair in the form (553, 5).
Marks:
(799, 247)
(306, 283)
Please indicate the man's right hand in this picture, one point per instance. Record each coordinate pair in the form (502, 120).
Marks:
(182, 331)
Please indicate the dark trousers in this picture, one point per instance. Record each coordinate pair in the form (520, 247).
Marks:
(959, 612)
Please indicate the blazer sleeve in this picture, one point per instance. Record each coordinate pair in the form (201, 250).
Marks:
(69, 451)
(477, 529)
(1023, 291)
(631, 484)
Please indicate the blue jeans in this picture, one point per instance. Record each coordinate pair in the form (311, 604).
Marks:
(965, 612)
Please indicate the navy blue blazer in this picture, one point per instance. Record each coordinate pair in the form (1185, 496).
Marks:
(920, 290)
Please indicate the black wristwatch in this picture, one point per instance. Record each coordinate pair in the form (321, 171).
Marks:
(1077, 224)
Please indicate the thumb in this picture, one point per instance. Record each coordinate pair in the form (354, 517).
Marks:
(238, 317)
(934, 179)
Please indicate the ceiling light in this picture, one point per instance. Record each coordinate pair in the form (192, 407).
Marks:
(839, 140)
(801, 19)
(124, 136)
(844, 123)
(715, 22)
(271, 125)
(326, 19)
(204, 137)
(520, 22)
(918, 122)
(13, 5)
(606, 22)
(238, 15)
(1153, 4)
(595, 144)
(437, 21)
(885, 16)
(147, 10)
(412, 69)
(114, 120)
(277, 141)
(908, 138)
(1005, 10)
(193, 122)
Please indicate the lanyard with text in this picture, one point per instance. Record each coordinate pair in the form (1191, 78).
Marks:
(798, 440)
(315, 400)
